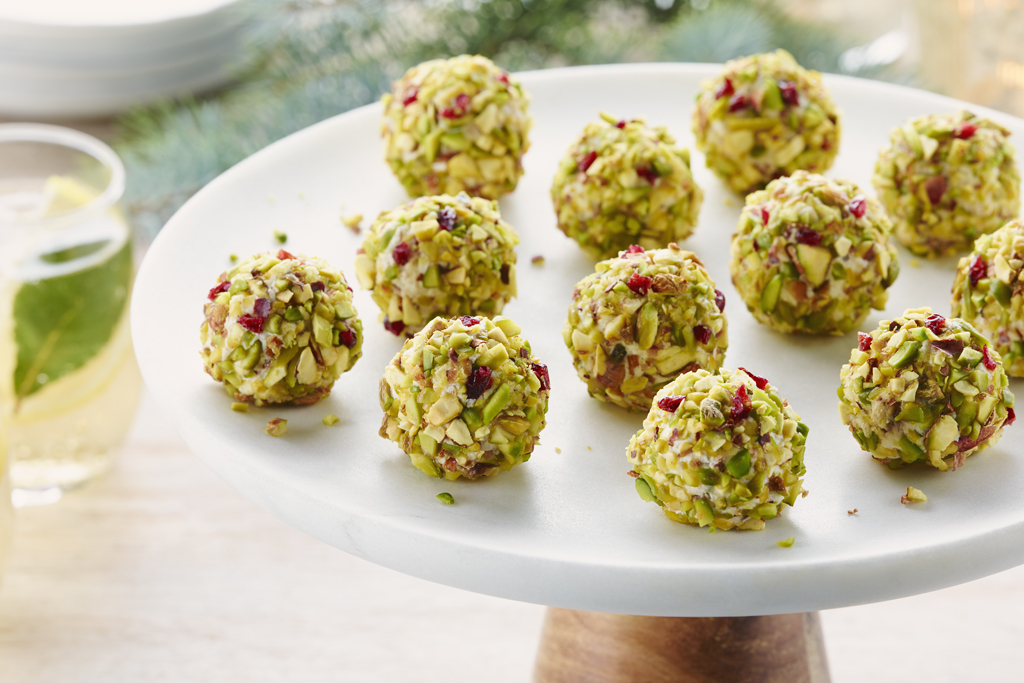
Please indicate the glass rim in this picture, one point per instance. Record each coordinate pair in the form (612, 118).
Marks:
(83, 142)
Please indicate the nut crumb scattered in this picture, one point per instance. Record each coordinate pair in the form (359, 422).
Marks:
(239, 407)
(558, 450)
(302, 195)
(277, 427)
(915, 263)
(913, 496)
(271, 197)
(537, 260)
(589, 448)
(787, 543)
(446, 498)
(352, 222)
(233, 258)
(728, 201)
(330, 420)
(803, 494)
(281, 237)
(853, 511)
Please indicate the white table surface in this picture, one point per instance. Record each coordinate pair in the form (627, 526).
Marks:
(161, 572)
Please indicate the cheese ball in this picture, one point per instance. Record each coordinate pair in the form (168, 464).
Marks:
(640, 320)
(280, 328)
(812, 255)
(945, 179)
(456, 125)
(624, 183)
(923, 388)
(988, 292)
(764, 117)
(465, 397)
(438, 256)
(720, 449)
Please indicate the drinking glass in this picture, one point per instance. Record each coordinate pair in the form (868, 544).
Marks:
(69, 384)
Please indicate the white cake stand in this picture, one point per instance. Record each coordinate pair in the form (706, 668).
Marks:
(567, 529)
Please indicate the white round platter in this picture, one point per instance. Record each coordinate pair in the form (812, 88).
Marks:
(567, 529)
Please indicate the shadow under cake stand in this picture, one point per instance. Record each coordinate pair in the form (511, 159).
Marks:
(567, 529)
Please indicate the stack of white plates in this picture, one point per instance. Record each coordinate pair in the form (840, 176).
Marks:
(76, 58)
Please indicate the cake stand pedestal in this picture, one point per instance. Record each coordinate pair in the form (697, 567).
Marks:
(592, 647)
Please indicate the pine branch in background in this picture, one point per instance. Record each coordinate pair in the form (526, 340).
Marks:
(313, 59)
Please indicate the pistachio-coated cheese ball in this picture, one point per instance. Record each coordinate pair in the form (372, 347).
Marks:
(720, 449)
(623, 183)
(765, 116)
(280, 328)
(465, 397)
(456, 125)
(812, 255)
(640, 320)
(988, 292)
(923, 388)
(945, 179)
(438, 256)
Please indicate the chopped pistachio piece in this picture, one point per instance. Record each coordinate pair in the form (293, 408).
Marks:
(812, 255)
(280, 236)
(537, 260)
(273, 332)
(913, 496)
(239, 407)
(446, 498)
(640, 320)
(476, 410)
(456, 125)
(438, 256)
(924, 388)
(277, 427)
(352, 222)
(946, 179)
(330, 420)
(624, 183)
(765, 116)
(786, 543)
(988, 292)
(721, 450)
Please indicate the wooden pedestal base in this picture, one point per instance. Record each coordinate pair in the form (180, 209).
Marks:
(590, 647)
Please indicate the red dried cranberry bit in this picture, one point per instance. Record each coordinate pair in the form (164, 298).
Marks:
(446, 218)
(543, 375)
(764, 439)
(261, 308)
(401, 253)
(222, 287)
(635, 249)
(478, 381)
(462, 101)
(987, 359)
(950, 347)
(639, 283)
(1011, 417)
(724, 89)
(648, 174)
(761, 382)
(858, 206)
(738, 102)
(979, 270)
(720, 300)
(469, 320)
(740, 405)
(764, 215)
(584, 162)
(808, 236)
(864, 341)
(789, 93)
(502, 77)
(348, 337)
(284, 255)
(670, 404)
(621, 124)
(936, 323)
(964, 130)
(702, 333)
(410, 96)
(395, 327)
(251, 322)
(935, 187)
(318, 286)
